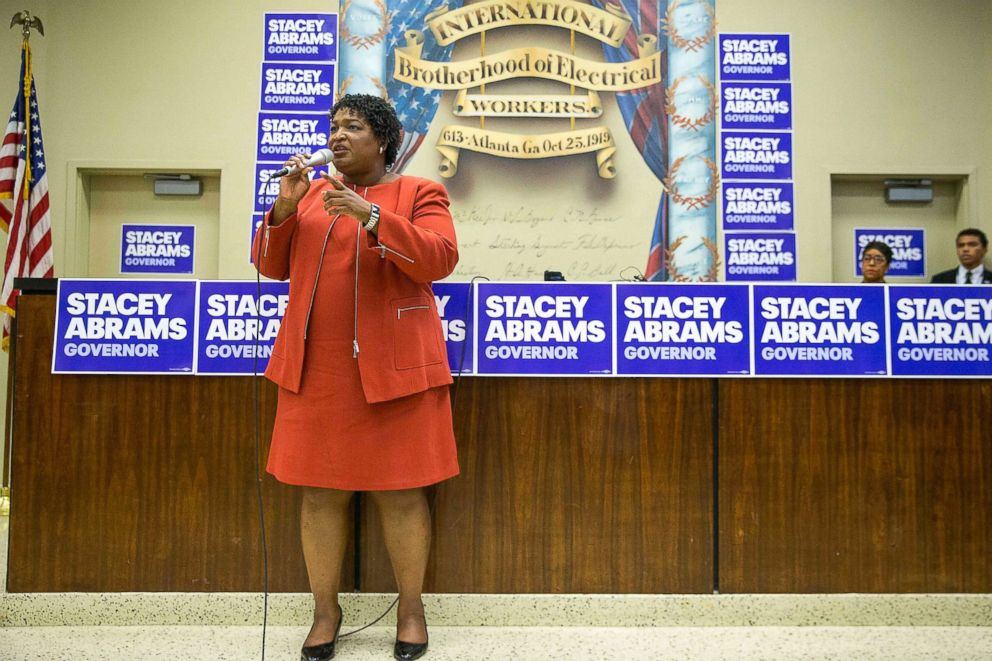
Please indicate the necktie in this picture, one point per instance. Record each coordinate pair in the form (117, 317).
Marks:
(967, 277)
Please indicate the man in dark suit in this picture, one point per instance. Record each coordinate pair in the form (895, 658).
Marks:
(972, 246)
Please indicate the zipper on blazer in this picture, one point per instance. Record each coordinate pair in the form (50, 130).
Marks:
(316, 279)
(400, 311)
(265, 252)
(382, 253)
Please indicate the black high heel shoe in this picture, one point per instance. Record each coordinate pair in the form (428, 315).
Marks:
(408, 651)
(325, 651)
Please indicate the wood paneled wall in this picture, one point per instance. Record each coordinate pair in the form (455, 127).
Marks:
(146, 483)
(138, 483)
(572, 485)
(855, 485)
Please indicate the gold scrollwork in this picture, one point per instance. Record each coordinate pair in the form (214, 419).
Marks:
(695, 43)
(514, 145)
(673, 269)
(377, 82)
(684, 121)
(361, 42)
(608, 25)
(693, 201)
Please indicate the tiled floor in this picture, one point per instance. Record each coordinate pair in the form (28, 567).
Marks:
(627, 644)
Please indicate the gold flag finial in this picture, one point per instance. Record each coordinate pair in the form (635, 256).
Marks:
(27, 21)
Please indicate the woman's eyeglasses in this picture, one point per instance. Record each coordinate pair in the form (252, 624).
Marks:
(873, 259)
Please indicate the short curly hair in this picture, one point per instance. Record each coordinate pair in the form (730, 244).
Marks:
(381, 119)
(881, 247)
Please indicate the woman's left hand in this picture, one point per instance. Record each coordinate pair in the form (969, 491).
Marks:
(342, 200)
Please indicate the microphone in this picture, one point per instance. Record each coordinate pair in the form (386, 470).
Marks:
(320, 157)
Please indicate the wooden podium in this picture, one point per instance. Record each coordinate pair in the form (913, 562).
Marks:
(598, 485)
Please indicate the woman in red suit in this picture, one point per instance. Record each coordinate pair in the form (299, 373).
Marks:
(360, 359)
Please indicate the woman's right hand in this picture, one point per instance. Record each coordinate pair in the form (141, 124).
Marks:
(292, 188)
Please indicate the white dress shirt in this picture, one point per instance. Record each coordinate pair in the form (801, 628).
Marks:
(976, 274)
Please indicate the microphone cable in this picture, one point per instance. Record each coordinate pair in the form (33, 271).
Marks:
(636, 277)
(256, 395)
(257, 401)
(454, 398)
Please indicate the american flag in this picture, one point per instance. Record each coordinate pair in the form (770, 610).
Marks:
(24, 180)
(415, 106)
(643, 112)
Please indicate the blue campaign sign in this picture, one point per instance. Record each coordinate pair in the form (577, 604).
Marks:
(256, 222)
(755, 57)
(303, 37)
(941, 331)
(282, 135)
(760, 256)
(683, 329)
(756, 106)
(758, 206)
(297, 87)
(819, 330)
(456, 305)
(238, 323)
(157, 248)
(267, 189)
(756, 155)
(545, 328)
(125, 326)
(908, 254)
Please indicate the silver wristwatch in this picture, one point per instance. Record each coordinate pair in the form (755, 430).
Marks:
(373, 218)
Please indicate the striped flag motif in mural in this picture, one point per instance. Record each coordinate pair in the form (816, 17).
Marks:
(644, 114)
(415, 106)
(24, 182)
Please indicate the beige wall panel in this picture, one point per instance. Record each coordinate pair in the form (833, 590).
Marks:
(119, 199)
(861, 203)
(891, 87)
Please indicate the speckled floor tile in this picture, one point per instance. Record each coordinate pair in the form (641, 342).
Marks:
(224, 609)
(459, 643)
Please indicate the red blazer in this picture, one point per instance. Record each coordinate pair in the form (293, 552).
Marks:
(401, 344)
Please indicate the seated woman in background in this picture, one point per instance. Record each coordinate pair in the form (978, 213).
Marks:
(875, 260)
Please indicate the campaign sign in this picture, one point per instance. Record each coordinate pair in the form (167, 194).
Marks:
(908, 255)
(819, 330)
(125, 326)
(758, 206)
(282, 135)
(297, 86)
(756, 155)
(545, 328)
(755, 57)
(301, 37)
(453, 301)
(760, 256)
(756, 106)
(267, 189)
(157, 248)
(256, 222)
(941, 331)
(682, 329)
(238, 325)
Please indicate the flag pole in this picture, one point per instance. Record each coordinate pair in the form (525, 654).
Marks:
(27, 23)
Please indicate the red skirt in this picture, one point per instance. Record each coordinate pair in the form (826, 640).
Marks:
(328, 436)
